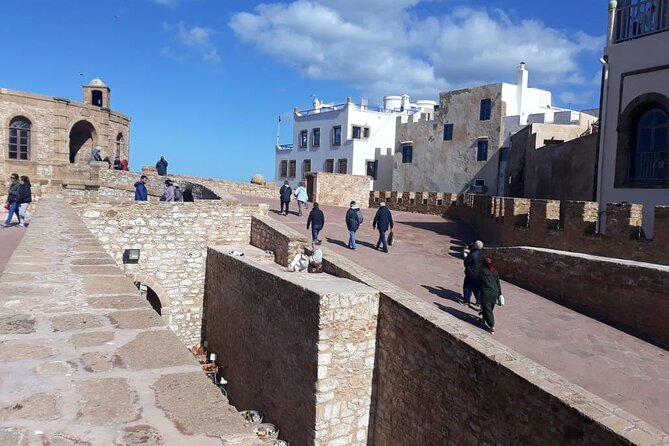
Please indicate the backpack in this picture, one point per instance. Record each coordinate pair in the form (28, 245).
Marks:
(178, 195)
(358, 213)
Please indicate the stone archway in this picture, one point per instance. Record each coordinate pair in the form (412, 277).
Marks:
(83, 138)
(157, 296)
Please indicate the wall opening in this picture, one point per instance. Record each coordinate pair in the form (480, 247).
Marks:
(151, 296)
(96, 98)
(82, 140)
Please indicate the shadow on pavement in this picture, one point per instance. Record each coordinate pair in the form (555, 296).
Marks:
(444, 293)
(465, 317)
(456, 230)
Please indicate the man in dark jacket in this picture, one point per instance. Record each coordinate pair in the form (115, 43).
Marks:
(141, 193)
(161, 166)
(473, 264)
(352, 223)
(382, 220)
(284, 194)
(317, 220)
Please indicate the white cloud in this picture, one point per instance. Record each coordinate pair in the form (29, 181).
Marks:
(197, 38)
(382, 48)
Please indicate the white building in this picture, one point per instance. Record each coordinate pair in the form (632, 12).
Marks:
(347, 138)
(634, 141)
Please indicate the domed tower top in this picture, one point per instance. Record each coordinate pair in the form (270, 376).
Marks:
(97, 93)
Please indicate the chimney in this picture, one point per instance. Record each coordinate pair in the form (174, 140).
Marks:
(521, 88)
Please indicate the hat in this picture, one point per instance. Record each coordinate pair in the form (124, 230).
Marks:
(478, 244)
(383, 203)
(352, 203)
(488, 260)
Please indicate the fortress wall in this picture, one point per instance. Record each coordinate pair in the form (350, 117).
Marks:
(567, 226)
(173, 240)
(282, 240)
(631, 296)
(298, 347)
(338, 189)
(439, 381)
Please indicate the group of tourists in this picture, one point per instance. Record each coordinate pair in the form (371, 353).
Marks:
(172, 191)
(19, 197)
(481, 280)
(118, 163)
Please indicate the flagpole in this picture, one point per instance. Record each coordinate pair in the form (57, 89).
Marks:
(278, 131)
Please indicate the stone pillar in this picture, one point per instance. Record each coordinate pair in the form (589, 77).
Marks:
(580, 218)
(623, 220)
(661, 227)
(516, 212)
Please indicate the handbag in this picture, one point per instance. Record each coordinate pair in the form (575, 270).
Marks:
(500, 300)
(7, 205)
(391, 238)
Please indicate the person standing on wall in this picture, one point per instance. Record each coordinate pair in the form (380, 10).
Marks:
(25, 198)
(12, 203)
(383, 220)
(354, 219)
(161, 166)
(141, 194)
(302, 197)
(316, 220)
(491, 290)
(472, 283)
(284, 194)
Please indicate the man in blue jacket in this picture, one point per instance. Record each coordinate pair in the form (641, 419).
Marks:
(141, 193)
(161, 166)
(382, 220)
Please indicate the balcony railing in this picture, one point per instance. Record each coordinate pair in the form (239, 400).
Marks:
(640, 19)
(646, 167)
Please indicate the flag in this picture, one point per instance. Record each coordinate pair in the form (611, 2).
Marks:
(279, 118)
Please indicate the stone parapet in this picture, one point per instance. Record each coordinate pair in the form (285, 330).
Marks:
(433, 203)
(282, 240)
(338, 189)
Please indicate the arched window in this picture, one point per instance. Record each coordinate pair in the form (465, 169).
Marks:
(648, 155)
(96, 98)
(19, 138)
(119, 145)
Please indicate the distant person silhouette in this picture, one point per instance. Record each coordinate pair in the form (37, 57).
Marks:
(161, 166)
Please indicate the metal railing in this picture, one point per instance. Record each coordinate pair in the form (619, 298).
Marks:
(641, 18)
(284, 147)
(646, 167)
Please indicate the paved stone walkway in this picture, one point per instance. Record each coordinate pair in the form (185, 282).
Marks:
(84, 360)
(427, 261)
(9, 240)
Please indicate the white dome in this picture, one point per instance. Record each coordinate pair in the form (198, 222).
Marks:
(97, 82)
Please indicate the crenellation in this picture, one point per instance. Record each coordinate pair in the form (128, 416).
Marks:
(623, 220)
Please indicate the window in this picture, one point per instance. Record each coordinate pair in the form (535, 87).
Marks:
(119, 145)
(648, 157)
(342, 165)
(315, 137)
(336, 135)
(96, 98)
(552, 141)
(479, 182)
(371, 169)
(360, 132)
(482, 150)
(407, 154)
(19, 138)
(448, 132)
(283, 169)
(306, 168)
(328, 166)
(303, 139)
(486, 108)
(292, 164)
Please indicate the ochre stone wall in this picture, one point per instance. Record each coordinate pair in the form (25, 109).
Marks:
(338, 189)
(307, 356)
(173, 240)
(628, 295)
(282, 240)
(434, 203)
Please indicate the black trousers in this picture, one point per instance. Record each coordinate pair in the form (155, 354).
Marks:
(285, 204)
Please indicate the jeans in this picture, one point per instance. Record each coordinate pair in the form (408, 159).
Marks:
(382, 240)
(315, 229)
(351, 239)
(469, 287)
(13, 209)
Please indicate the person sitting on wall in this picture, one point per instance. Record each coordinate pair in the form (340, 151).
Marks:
(188, 195)
(168, 195)
(312, 263)
(117, 163)
(141, 194)
(124, 165)
(161, 166)
(95, 155)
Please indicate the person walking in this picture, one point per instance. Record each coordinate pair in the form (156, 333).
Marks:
(161, 166)
(284, 194)
(141, 194)
(354, 219)
(491, 290)
(301, 196)
(472, 283)
(25, 198)
(383, 220)
(316, 220)
(12, 200)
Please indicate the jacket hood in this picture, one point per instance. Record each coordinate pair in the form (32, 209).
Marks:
(355, 206)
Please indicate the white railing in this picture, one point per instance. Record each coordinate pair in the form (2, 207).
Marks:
(641, 18)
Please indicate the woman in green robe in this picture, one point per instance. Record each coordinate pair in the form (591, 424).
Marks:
(490, 292)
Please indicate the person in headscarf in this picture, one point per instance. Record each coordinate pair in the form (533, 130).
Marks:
(490, 292)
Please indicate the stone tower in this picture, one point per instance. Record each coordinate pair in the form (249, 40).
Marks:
(97, 93)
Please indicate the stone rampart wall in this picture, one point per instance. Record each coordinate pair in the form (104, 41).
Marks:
(567, 226)
(338, 189)
(439, 381)
(433, 203)
(629, 295)
(282, 240)
(173, 240)
(306, 358)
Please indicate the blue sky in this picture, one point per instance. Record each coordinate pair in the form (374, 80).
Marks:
(204, 80)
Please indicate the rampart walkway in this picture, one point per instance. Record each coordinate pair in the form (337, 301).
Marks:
(85, 360)
(426, 260)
